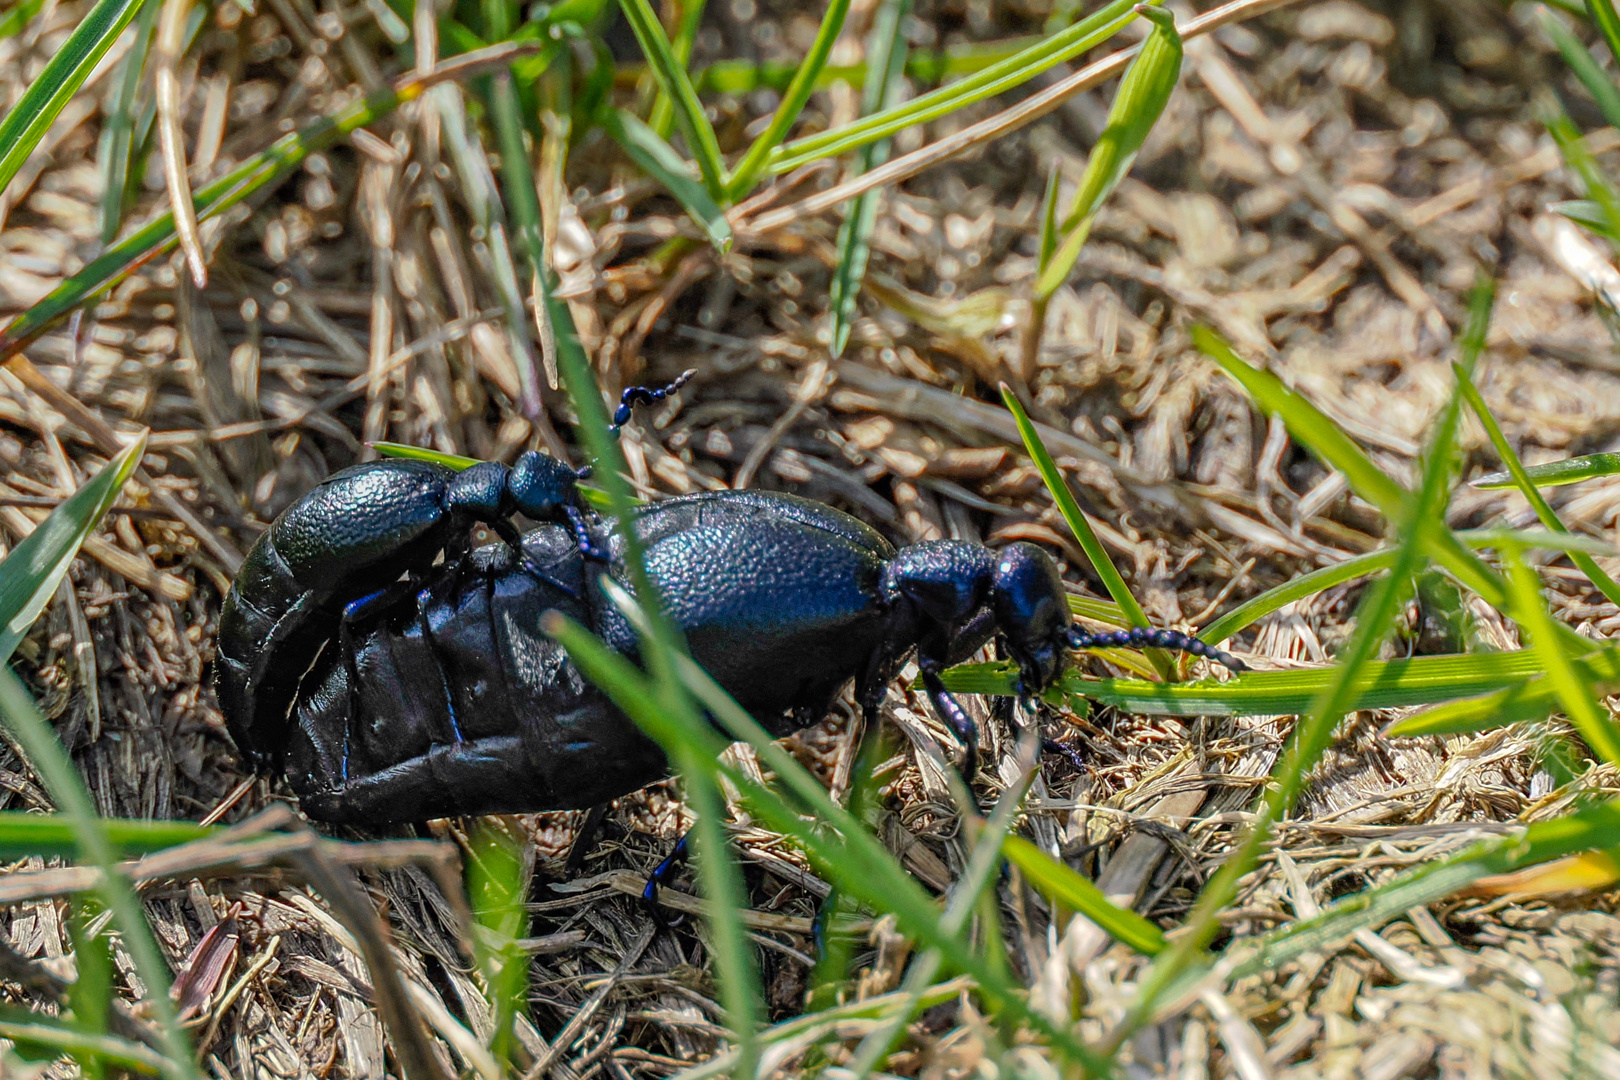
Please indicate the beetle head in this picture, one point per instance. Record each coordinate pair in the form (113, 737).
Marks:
(540, 485)
(1032, 613)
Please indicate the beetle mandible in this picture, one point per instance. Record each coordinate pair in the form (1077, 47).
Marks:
(453, 701)
(361, 538)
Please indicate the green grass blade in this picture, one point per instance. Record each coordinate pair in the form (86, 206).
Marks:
(1531, 699)
(497, 887)
(1258, 607)
(13, 21)
(670, 74)
(743, 76)
(1592, 828)
(91, 995)
(1602, 13)
(30, 575)
(55, 769)
(35, 1032)
(1529, 609)
(1143, 93)
(1078, 893)
(1103, 611)
(1544, 512)
(517, 175)
(1100, 562)
(793, 100)
(477, 189)
(1049, 220)
(422, 453)
(1333, 448)
(1555, 473)
(1588, 215)
(997, 78)
(1384, 684)
(1586, 69)
(61, 78)
(1307, 424)
(117, 141)
(658, 159)
(1576, 155)
(885, 60)
(1417, 515)
(659, 700)
(24, 833)
(662, 117)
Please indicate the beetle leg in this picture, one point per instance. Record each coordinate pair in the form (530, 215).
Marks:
(514, 540)
(950, 710)
(588, 546)
(649, 895)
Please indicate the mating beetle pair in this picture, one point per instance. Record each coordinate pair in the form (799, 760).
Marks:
(392, 689)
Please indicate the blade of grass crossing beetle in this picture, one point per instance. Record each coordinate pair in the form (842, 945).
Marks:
(56, 770)
(1081, 528)
(854, 862)
(60, 79)
(1529, 609)
(659, 701)
(117, 141)
(999, 77)
(1556, 473)
(1143, 93)
(793, 100)
(30, 575)
(885, 60)
(672, 79)
(422, 453)
(1586, 69)
(1544, 511)
(1080, 894)
(658, 159)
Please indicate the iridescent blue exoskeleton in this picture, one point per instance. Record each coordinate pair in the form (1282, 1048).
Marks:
(452, 700)
(362, 539)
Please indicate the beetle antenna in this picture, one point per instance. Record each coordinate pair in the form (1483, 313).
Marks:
(1139, 637)
(644, 395)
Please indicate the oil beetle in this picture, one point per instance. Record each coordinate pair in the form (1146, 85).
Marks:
(452, 701)
(363, 537)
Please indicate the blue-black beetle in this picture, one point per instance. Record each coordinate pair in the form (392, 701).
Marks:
(363, 537)
(452, 701)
